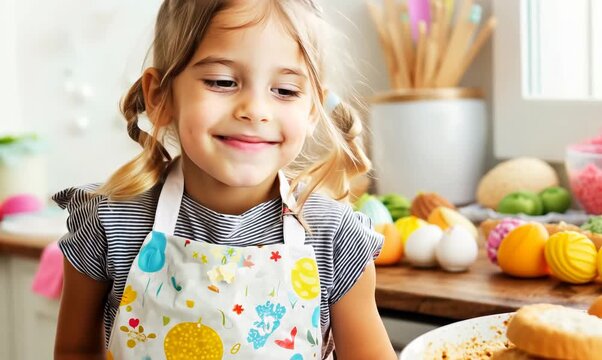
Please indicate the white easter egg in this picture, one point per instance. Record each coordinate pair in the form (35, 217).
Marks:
(457, 250)
(421, 245)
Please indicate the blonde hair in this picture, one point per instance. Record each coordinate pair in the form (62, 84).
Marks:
(179, 29)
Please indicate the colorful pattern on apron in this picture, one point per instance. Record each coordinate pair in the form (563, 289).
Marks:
(187, 299)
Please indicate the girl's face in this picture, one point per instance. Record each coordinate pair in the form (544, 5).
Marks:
(243, 104)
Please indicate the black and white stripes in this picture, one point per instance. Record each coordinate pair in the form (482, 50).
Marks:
(104, 238)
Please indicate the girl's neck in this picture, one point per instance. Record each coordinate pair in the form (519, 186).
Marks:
(219, 197)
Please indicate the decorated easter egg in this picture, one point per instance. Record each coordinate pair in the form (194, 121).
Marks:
(420, 246)
(457, 249)
(571, 257)
(498, 234)
(521, 252)
(190, 340)
(446, 218)
(305, 279)
(392, 249)
(407, 225)
(599, 261)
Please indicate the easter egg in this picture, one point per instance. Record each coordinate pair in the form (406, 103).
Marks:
(421, 245)
(457, 249)
(599, 262)
(407, 225)
(305, 279)
(521, 253)
(392, 249)
(498, 234)
(190, 340)
(571, 257)
(446, 218)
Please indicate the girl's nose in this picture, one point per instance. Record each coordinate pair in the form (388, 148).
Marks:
(252, 106)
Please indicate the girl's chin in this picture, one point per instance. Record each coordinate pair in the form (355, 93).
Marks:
(247, 179)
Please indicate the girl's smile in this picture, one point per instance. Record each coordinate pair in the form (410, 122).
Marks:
(247, 143)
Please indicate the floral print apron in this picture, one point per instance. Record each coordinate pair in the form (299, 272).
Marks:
(187, 299)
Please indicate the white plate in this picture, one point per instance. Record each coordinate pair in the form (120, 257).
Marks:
(477, 213)
(461, 340)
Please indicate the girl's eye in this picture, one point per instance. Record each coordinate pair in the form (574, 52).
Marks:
(286, 93)
(220, 84)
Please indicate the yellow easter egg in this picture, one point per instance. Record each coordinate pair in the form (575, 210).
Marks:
(599, 262)
(129, 296)
(110, 355)
(407, 225)
(571, 257)
(445, 218)
(305, 279)
(193, 341)
(521, 252)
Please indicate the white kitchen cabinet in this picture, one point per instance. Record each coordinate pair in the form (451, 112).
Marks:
(28, 321)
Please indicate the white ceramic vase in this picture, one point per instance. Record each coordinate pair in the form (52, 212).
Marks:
(429, 140)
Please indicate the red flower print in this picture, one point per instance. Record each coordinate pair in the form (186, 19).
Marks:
(275, 256)
(238, 309)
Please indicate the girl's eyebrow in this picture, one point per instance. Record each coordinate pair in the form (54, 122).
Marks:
(214, 60)
(208, 60)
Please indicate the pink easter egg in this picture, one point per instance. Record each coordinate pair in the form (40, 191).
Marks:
(498, 234)
(20, 204)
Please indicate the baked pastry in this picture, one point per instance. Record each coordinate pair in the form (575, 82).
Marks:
(556, 332)
(512, 354)
(488, 225)
(424, 203)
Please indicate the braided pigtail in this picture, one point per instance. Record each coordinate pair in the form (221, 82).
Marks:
(147, 168)
(344, 161)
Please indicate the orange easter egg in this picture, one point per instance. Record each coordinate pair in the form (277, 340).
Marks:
(392, 249)
(521, 252)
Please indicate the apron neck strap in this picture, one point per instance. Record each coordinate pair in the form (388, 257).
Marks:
(294, 232)
(170, 200)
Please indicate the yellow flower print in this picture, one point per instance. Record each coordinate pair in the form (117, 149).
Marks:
(129, 296)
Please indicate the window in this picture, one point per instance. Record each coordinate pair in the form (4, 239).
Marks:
(547, 76)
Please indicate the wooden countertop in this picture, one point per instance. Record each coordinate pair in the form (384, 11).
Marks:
(27, 246)
(483, 290)
(402, 289)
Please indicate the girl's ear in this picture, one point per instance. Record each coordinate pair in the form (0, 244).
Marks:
(158, 111)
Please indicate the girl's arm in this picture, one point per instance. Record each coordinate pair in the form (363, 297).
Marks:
(80, 327)
(357, 328)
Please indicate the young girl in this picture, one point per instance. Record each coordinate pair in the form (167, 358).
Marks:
(213, 254)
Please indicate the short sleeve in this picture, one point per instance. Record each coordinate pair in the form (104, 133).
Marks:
(355, 245)
(85, 245)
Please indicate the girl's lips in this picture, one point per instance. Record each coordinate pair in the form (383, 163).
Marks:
(246, 143)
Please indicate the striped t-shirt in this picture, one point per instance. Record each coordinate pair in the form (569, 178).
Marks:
(105, 236)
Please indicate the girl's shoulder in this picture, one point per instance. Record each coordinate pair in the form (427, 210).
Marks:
(320, 207)
(84, 201)
(324, 213)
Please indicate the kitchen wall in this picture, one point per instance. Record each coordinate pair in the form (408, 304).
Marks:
(70, 61)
